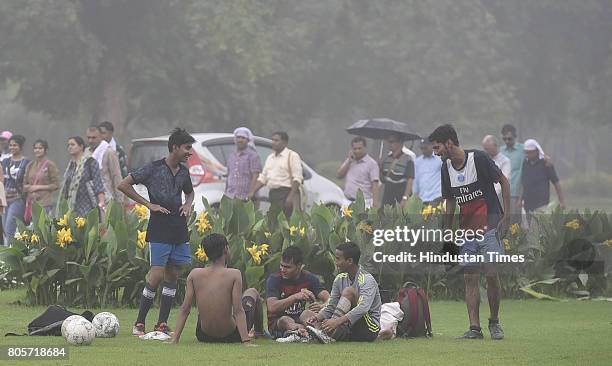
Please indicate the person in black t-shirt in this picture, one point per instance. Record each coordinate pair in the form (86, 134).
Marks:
(288, 292)
(167, 232)
(468, 178)
(536, 175)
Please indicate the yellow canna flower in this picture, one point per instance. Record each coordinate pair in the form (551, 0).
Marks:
(427, 211)
(293, 230)
(267, 234)
(257, 258)
(202, 224)
(514, 229)
(347, 212)
(18, 236)
(142, 239)
(63, 221)
(80, 222)
(302, 232)
(34, 239)
(365, 227)
(252, 249)
(506, 244)
(64, 237)
(574, 224)
(264, 249)
(255, 254)
(608, 242)
(201, 254)
(141, 211)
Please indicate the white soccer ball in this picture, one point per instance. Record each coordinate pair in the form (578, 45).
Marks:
(80, 332)
(67, 322)
(106, 325)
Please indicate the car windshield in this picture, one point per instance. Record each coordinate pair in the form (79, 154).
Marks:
(145, 153)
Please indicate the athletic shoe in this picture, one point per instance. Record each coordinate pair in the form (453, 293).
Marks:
(472, 334)
(293, 336)
(162, 327)
(496, 331)
(138, 330)
(319, 335)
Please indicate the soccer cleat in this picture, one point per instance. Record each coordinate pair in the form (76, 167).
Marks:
(138, 330)
(162, 327)
(472, 334)
(319, 335)
(496, 331)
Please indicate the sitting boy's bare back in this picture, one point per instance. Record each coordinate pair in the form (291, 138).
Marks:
(213, 288)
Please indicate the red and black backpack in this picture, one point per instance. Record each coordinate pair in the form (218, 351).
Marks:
(415, 305)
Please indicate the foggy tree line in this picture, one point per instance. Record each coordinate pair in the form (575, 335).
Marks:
(313, 67)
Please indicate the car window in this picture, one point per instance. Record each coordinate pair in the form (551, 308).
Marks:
(145, 153)
(222, 151)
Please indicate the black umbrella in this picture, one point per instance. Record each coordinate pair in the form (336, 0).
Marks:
(380, 128)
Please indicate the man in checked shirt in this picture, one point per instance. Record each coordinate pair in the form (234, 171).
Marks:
(243, 165)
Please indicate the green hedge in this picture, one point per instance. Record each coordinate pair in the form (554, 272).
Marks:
(82, 262)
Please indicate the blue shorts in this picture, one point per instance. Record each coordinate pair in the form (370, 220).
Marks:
(489, 244)
(161, 254)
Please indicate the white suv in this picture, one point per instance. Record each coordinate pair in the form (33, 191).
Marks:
(207, 167)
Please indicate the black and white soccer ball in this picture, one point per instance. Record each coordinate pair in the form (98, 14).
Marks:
(80, 332)
(67, 322)
(106, 325)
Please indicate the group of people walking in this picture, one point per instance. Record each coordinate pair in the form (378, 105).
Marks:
(90, 180)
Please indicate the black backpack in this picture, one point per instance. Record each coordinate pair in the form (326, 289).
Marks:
(49, 323)
(417, 318)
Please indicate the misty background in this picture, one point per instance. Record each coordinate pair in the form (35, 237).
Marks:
(312, 68)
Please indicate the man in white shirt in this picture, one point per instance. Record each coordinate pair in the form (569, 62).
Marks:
(282, 174)
(490, 144)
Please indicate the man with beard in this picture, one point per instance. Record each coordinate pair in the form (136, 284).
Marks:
(468, 178)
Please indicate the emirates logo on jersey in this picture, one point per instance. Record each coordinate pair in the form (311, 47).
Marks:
(466, 196)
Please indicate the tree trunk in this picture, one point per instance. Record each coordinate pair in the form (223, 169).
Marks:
(112, 105)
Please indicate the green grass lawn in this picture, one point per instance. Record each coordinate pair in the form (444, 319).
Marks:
(537, 333)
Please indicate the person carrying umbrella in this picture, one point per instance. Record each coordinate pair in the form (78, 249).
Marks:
(397, 169)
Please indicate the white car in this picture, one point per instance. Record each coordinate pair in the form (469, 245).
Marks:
(207, 167)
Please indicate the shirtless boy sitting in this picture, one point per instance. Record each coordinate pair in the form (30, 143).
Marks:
(225, 314)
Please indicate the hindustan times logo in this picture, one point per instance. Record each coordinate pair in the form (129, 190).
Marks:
(413, 236)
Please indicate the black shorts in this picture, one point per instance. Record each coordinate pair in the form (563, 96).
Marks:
(248, 303)
(362, 331)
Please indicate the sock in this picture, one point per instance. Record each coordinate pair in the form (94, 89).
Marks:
(476, 328)
(493, 321)
(343, 307)
(146, 300)
(165, 304)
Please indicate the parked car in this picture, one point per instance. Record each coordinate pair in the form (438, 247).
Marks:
(207, 167)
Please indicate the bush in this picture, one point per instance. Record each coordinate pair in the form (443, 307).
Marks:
(79, 261)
